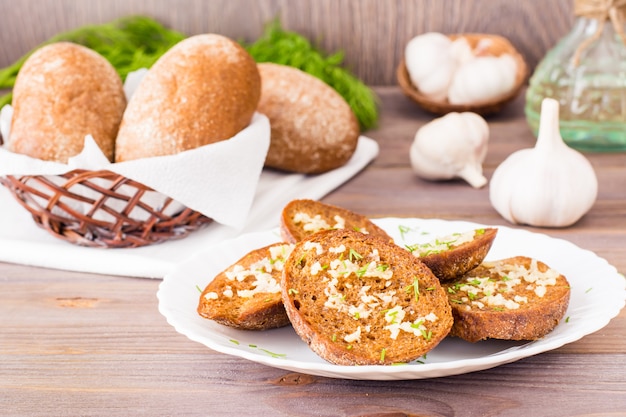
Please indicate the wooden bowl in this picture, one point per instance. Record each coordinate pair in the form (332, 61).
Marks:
(497, 47)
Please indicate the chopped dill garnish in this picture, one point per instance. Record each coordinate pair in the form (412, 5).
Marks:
(354, 255)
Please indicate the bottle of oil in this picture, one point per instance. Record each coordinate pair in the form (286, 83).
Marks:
(586, 73)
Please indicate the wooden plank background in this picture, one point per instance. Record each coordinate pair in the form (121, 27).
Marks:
(372, 33)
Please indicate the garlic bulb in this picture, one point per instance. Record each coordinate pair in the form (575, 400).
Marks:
(452, 146)
(550, 185)
(431, 60)
(482, 79)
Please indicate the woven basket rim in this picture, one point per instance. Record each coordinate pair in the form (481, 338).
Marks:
(52, 207)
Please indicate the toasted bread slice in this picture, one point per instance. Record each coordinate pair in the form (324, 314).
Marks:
(361, 300)
(301, 218)
(517, 298)
(452, 256)
(247, 295)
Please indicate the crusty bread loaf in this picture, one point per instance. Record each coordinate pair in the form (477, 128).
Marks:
(303, 217)
(313, 129)
(203, 90)
(359, 300)
(62, 93)
(452, 256)
(247, 295)
(517, 298)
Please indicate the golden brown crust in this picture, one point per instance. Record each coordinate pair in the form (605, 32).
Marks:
(205, 89)
(293, 229)
(262, 310)
(531, 320)
(352, 320)
(458, 260)
(62, 93)
(313, 129)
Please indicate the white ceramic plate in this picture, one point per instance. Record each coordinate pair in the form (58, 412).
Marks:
(598, 294)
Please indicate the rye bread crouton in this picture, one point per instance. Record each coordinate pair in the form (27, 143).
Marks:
(452, 256)
(301, 218)
(517, 298)
(246, 295)
(361, 300)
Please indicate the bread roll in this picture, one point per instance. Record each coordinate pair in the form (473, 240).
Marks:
(205, 89)
(313, 129)
(63, 92)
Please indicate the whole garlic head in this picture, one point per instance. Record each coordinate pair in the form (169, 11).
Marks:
(482, 79)
(430, 64)
(550, 185)
(452, 146)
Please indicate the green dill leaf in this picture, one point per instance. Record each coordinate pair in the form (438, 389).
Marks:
(361, 271)
(403, 230)
(273, 354)
(354, 255)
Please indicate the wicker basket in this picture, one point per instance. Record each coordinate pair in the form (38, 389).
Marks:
(498, 46)
(102, 209)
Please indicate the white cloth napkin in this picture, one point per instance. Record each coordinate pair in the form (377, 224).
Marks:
(229, 169)
(23, 242)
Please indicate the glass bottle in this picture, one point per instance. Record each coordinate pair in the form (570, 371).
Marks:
(586, 73)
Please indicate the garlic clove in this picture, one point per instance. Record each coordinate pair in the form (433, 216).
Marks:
(482, 79)
(452, 146)
(429, 64)
(461, 50)
(550, 185)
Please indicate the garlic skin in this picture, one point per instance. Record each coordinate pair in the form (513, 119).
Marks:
(482, 79)
(550, 185)
(452, 146)
(430, 64)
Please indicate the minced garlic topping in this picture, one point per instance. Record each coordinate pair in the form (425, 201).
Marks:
(259, 274)
(488, 292)
(316, 223)
(368, 302)
(395, 318)
(444, 243)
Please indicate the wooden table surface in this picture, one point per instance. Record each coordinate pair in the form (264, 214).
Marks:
(94, 345)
